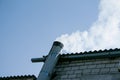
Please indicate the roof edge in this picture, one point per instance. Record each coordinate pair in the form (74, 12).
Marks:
(19, 77)
(111, 54)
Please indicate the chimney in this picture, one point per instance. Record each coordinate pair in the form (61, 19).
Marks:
(50, 61)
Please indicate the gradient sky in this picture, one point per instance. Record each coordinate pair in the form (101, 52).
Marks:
(29, 27)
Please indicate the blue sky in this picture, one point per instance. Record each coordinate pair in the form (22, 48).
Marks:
(29, 27)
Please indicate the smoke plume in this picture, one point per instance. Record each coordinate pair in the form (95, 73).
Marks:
(103, 34)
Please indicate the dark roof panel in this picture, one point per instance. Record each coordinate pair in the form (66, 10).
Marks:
(111, 54)
(18, 77)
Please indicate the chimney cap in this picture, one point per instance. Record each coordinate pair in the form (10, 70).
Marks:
(57, 43)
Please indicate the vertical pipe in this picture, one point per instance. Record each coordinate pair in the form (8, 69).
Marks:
(50, 62)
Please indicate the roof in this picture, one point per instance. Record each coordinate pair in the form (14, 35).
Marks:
(18, 77)
(95, 51)
(110, 53)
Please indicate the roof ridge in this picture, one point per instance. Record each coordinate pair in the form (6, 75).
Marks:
(94, 51)
(18, 76)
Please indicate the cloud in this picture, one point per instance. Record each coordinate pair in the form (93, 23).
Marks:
(103, 34)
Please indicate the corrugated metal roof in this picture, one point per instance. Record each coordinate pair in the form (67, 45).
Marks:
(18, 77)
(111, 54)
(95, 51)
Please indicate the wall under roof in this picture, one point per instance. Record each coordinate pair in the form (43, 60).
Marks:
(90, 69)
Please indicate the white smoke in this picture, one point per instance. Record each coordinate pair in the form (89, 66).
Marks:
(103, 34)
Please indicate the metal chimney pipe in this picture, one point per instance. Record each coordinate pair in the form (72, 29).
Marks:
(50, 62)
(38, 59)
